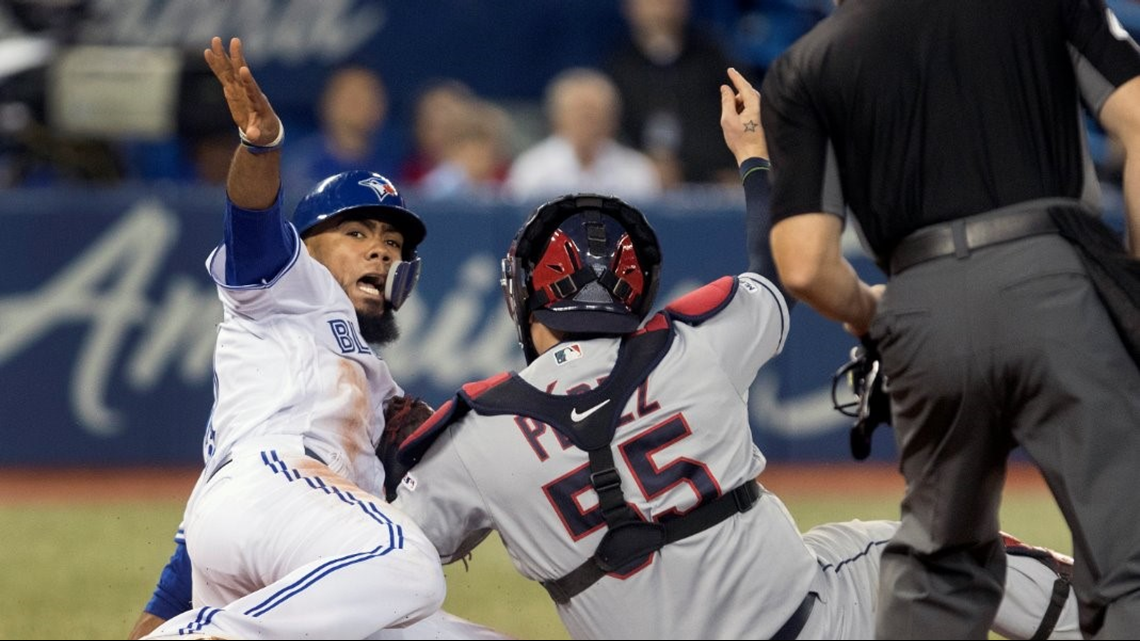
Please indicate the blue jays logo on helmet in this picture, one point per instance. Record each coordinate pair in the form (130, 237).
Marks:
(381, 185)
(355, 191)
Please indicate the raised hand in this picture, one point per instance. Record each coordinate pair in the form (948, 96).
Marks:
(249, 108)
(740, 119)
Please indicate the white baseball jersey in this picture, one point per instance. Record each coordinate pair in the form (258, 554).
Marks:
(683, 440)
(290, 361)
(287, 536)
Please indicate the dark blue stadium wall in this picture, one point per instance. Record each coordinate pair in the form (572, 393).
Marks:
(107, 321)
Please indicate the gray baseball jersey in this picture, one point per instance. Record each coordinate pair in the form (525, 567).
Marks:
(684, 440)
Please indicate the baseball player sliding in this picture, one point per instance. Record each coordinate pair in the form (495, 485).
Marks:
(618, 466)
(287, 535)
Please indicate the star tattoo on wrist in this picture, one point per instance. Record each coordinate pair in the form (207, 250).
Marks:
(750, 126)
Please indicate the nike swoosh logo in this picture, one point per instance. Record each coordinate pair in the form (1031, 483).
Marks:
(576, 417)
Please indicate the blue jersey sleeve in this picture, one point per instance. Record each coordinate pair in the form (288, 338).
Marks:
(259, 244)
(172, 595)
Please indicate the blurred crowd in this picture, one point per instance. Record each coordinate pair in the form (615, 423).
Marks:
(640, 120)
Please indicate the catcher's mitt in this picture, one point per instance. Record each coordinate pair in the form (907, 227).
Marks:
(871, 405)
(402, 416)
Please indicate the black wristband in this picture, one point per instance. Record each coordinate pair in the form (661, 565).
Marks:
(752, 165)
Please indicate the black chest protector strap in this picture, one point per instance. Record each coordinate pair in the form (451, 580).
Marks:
(589, 421)
(640, 539)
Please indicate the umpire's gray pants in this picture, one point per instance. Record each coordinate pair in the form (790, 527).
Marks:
(1009, 345)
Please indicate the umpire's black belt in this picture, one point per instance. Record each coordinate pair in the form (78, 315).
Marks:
(960, 237)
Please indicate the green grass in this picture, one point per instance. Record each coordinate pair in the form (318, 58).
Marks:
(72, 572)
(85, 572)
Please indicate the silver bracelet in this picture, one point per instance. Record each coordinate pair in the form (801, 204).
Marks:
(256, 149)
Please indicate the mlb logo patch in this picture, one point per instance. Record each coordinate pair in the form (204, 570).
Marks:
(409, 482)
(568, 353)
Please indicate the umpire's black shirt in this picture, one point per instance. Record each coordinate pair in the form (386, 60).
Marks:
(914, 112)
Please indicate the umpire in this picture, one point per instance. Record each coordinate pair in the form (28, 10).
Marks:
(952, 130)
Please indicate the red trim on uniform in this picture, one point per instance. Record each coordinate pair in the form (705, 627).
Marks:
(655, 324)
(702, 301)
(478, 388)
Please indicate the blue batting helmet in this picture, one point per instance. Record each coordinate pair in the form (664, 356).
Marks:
(360, 190)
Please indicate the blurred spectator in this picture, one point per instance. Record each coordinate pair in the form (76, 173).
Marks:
(31, 151)
(37, 156)
(439, 108)
(473, 159)
(205, 135)
(581, 154)
(668, 75)
(351, 116)
(205, 127)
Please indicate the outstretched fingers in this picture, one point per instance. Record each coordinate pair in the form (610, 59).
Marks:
(728, 102)
(740, 118)
(746, 94)
(236, 53)
(249, 107)
(243, 75)
(219, 62)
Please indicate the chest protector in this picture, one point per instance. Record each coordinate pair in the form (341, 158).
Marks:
(629, 541)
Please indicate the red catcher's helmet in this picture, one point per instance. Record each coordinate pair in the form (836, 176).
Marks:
(583, 264)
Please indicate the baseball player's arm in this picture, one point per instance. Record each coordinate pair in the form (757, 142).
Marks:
(805, 238)
(254, 177)
(259, 243)
(444, 500)
(172, 595)
(145, 625)
(740, 123)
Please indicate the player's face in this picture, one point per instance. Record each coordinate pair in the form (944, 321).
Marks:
(359, 253)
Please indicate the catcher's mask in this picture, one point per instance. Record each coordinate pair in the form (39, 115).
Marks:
(373, 195)
(867, 400)
(582, 264)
